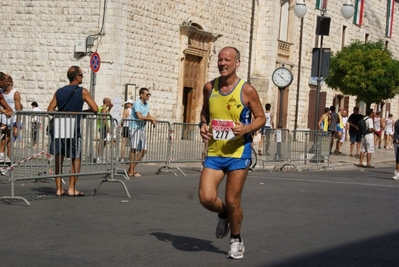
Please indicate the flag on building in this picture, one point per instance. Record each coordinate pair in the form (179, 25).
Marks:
(390, 12)
(359, 12)
(321, 4)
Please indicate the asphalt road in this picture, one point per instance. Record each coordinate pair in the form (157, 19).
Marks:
(341, 217)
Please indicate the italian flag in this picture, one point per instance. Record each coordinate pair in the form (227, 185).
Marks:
(390, 12)
(321, 4)
(359, 12)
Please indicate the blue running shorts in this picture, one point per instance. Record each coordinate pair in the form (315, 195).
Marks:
(226, 164)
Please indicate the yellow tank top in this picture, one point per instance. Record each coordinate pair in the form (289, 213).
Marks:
(325, 123)
(101, 118)
(341, 123)
(229, 107)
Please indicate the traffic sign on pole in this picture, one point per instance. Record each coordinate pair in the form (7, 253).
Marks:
(95, 62)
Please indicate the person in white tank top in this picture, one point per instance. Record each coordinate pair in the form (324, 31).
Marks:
(378, 130)
(13, 99)
(389, 123)
(125, 127)
(265, 131)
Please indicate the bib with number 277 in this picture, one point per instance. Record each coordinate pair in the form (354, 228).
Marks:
(221, 129)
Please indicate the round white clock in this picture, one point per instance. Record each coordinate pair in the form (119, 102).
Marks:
(282, 77)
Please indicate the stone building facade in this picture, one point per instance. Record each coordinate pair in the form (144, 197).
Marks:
(171, 48)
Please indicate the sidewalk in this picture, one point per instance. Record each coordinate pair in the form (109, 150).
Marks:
(378, 157)
(343, 160)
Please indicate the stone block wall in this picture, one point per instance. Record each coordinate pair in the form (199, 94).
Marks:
(140, 43)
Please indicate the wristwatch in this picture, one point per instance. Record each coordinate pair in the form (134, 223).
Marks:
(200, 124)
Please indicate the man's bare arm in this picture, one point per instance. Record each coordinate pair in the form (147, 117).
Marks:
(251, 99)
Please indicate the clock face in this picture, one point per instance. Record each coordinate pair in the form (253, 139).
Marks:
(282, 77)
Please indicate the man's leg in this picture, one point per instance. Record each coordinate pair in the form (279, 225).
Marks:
(234, 186)
(208, 189)
(260, 148)
(132, 156)
(358, 147)
(8, 142)
(101, 143)
(385, 140)
(59, 160)
(352, 145)
(368, 158)
(361, 157)
(267, 143)
(331, 141)
(73, 179)
(135, 157)
(208, 195)
(123, 146)
(3, 146)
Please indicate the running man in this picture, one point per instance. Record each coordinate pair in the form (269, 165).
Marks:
(228, 102)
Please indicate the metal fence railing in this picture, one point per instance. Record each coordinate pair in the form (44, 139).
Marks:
(49, 139)
(167, 145)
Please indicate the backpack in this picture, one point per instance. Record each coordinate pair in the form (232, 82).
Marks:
(363, 130)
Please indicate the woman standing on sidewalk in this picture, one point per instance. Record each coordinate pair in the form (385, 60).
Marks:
(388, 135)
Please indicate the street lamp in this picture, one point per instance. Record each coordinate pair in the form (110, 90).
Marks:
(347, 10)
(300, 9)
(323, 28)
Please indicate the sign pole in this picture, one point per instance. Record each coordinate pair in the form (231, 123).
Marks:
(95, 63)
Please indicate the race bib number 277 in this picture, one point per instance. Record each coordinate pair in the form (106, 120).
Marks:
(221, 129)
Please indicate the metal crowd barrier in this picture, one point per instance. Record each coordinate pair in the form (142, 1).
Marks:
(276, 147)
(166, 144)
(157, 138)
(31, 158)
(295, 147)
(310, 146)
(187, 145)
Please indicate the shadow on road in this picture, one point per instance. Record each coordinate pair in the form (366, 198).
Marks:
(185, 243)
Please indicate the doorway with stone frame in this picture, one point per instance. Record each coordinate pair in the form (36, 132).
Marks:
(197, 50)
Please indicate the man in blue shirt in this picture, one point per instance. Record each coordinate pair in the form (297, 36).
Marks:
(140, 115)
(70, 98)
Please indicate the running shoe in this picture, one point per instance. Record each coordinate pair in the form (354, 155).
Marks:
(236, 249)
(222, 229)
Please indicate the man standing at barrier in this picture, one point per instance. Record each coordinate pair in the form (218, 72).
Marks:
(228, 102)
(36, 124)
(367, 143)
(127, 112)
(324, 120)
(343, 127)
(70, 98)
(333, 127)
(396, 149)
(378, 123)
(354, 134)
(138, 146)
(104, 128)
(266, 130)
(4, 107)
(13, 99)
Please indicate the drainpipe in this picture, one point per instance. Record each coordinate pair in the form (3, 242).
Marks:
(298, 86)
(251, 34)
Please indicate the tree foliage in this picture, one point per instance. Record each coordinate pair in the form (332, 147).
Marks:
(366, 70)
